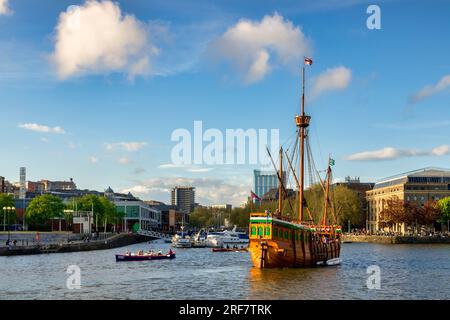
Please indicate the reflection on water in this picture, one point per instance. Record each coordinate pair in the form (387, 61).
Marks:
(407, 272)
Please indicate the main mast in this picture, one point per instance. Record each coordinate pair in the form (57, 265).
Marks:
(302, 123)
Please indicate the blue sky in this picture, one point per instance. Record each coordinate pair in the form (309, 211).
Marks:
(368, 120)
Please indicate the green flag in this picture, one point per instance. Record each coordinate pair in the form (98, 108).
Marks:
(332, 162)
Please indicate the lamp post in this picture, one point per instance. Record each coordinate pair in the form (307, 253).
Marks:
(67, 212)
(9, 210)
(4, 219)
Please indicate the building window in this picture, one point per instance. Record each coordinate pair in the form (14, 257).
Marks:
(267, 231)
(253, 231)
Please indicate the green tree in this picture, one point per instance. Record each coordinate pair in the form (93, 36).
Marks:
(443, 206)
(7, 200)
(92, 202)
(347, 205)
(240, 216)
(43, 208)
(202, 218)
(108, 212)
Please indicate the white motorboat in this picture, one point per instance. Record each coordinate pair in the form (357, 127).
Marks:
(227, 238)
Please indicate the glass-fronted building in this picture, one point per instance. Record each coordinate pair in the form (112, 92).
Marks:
(264, 181)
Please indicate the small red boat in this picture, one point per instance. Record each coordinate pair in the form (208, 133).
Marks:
(144, 257)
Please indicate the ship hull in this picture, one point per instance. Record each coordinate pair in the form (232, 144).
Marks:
(269, 253)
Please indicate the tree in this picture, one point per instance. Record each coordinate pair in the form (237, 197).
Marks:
(92, 202)
(443, 206)
(240, 216)
(108, 212)
(347, 205)
(43, 208)
(7, 200)
(202, 218)
(429, 213)
(393, 213)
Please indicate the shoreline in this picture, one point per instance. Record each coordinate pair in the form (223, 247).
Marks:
(116, 241)
(394, 239)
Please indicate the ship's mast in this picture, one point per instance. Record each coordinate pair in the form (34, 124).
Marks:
(327, 194)
(302, 123)
(280, 183)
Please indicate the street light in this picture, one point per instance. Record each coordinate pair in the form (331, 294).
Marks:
(67, 223)
(4, 219)
(9, 210)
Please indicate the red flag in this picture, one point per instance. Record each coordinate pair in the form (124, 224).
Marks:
(308, 61)
(254, 196)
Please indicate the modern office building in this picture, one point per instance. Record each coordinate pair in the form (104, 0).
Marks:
(264, 181)
(183, 198)
(419, 186)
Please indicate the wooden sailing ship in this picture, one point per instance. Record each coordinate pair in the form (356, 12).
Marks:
(286, 239)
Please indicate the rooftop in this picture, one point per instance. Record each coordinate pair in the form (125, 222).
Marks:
(433, 172)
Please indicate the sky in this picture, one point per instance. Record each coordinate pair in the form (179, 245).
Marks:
(94, 90)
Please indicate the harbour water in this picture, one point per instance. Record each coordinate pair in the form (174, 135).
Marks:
(407, 272)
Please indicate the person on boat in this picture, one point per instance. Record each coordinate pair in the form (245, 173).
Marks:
(170, 252)
(159, 253)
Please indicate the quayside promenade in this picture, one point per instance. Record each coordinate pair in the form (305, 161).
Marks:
(113, 241)
(347, 238)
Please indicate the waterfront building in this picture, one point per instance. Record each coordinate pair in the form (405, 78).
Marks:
(418, 186)
(264, 181)
(360, 188)
(272, 195)
(183, 198)
(47, 186)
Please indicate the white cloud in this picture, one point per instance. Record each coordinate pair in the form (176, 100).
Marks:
(199, 170)
(98, 38)
(188, 168)
(170, 166)
(337, 78)
(255, 47)
(4, 9)
(137, 190)
(390, 153)
(127, 146)
(124, 160)
(430, 90)
(441, 150)
(42, 128)
(93, 159)
(208, 191)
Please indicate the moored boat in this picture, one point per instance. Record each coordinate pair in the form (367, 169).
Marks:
(285, 238)
(145, 256)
